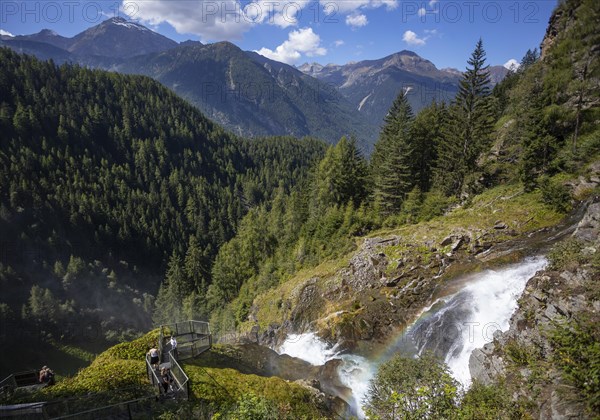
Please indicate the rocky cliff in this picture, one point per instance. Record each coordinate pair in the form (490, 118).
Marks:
(531, 358)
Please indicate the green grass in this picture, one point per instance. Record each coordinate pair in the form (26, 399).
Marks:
(522, 212)
(119, 374)
(102, 382)
(73, 351)
(224, 387)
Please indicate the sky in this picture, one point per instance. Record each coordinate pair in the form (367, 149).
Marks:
(323, 31)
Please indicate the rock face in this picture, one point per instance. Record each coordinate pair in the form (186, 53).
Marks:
(522, 355)
(554, 27)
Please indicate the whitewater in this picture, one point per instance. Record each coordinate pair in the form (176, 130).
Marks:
(452, 327)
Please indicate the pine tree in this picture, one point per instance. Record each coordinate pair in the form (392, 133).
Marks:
(468, 128)
(426, 137)
(340, 177)
(392, 160)
(353, 172)
(530, 57)
(169, 301)
(195, 266)
(539, 146)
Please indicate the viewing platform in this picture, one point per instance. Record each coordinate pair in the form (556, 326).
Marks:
(193, 338)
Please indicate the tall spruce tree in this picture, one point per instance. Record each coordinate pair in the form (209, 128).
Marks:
(392, 161)
(168, 306)
(538, 144)
(426, 137)
(530, 58)
(341, 176)
(468, 129)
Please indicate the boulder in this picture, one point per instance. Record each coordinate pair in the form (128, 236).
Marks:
(500, 225)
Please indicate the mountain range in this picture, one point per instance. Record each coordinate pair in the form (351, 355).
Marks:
(371, 86)
(252, 95)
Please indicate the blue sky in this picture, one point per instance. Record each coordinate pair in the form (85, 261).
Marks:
(324, 31)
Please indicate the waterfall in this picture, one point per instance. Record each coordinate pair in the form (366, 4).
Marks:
(452, 328)
(460, 323)
(355, 372)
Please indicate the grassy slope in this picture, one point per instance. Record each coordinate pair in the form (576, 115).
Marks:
(222, 387)
(522, 212)
(122, 366)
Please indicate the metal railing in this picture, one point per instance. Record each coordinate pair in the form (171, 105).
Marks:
(179, 376)
(193, 337)
(185, 327)
(182, 380)
(8, 384)
(140, 408)
(151, 372)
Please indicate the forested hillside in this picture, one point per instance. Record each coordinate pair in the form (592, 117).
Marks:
(104, 177)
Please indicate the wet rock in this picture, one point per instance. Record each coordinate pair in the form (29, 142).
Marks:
(484, 366)
(330, 381)
(270, 337)
(588, 228)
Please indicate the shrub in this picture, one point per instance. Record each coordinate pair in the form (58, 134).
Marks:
(566, 255)
(488, 402)
(412, 389)
(252, 407)
(577, 355)
(435, 204)
(555, 194)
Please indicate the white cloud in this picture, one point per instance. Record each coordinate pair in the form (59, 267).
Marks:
(282, 13)
(389, 4)
(230, 19)
(208, 19)
(338, 43)
(356, 20)
(411, 38)
(344, 7)
(512, 64)
(5, 33)
(301, 42)
(432, 9)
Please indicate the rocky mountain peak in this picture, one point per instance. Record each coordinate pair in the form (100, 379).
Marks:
(119, 38)
(47, 32)
(119, 21)
(410, 61)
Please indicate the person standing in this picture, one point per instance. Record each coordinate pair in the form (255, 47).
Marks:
(43, 375)
(154, 356)
(167, 379)
(173, 343)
